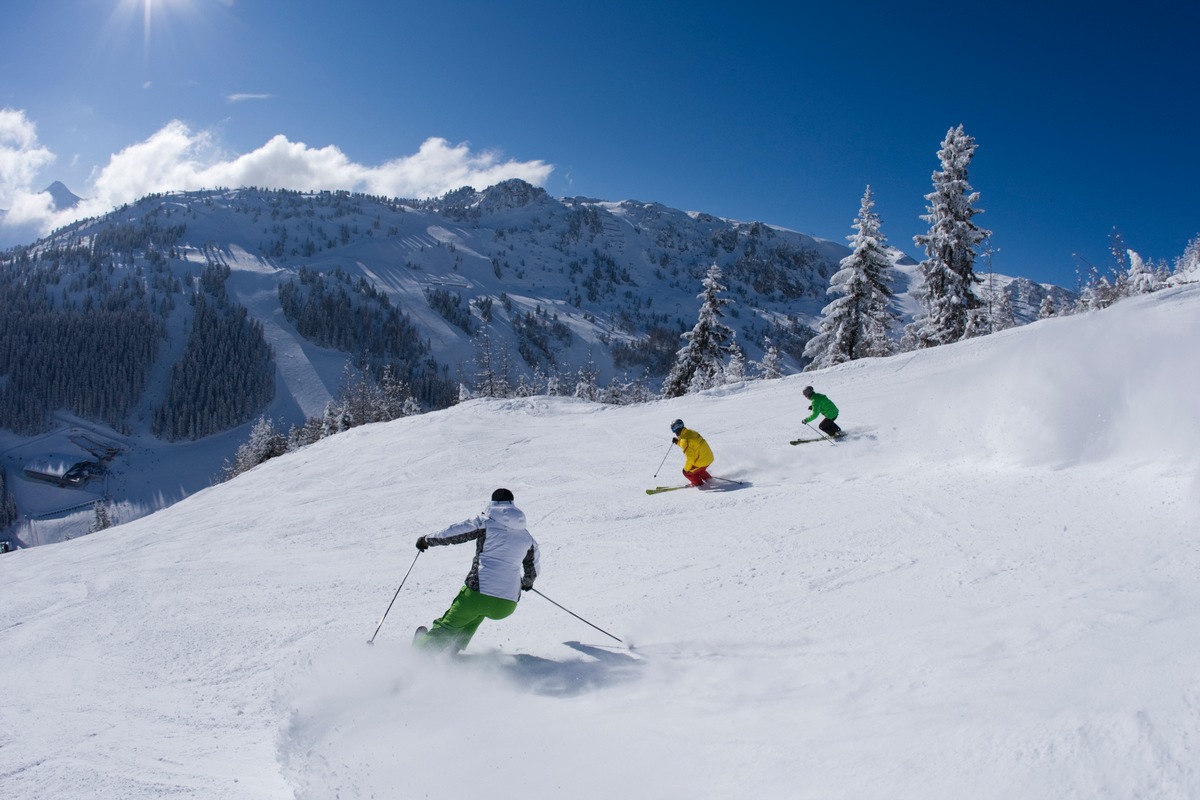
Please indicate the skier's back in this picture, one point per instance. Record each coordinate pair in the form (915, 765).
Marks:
(506, 563)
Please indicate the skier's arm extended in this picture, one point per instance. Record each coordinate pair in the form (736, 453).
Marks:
(458, 533)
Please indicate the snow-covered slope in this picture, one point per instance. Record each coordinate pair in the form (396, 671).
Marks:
(988, 591)
(558, 285)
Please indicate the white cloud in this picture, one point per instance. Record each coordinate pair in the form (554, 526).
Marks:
(178, 158)
(244, 96)
(21, 156)
(439, 167)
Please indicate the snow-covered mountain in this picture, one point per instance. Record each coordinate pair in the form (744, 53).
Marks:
(989, 591)
(529, 283)
(61, 196)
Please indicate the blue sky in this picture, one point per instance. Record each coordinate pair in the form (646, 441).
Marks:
(781, 112)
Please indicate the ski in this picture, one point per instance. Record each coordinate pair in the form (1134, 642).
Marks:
(822, 438)
(709, 486)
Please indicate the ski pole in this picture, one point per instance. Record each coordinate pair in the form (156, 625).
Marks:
(397, 594)
(576, 616)
(728, 480)
(820, 433)
(660, 466)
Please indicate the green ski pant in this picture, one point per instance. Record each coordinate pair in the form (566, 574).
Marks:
(454, 629)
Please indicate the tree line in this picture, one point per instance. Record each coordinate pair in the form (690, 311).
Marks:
(333, 310)
(861, 320)
(225, 376)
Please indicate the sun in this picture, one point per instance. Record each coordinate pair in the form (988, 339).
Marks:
(152, 12)
(155, 18)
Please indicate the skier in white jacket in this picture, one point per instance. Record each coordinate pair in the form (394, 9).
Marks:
(506, 563)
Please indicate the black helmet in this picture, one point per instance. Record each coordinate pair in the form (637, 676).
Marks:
(677, 426)
(502, 496)
(808, 392)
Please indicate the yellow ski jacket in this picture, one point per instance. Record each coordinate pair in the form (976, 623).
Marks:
(695, 450)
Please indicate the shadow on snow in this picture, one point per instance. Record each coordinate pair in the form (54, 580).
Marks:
(605, 668)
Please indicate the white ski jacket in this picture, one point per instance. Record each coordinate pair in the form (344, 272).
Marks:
(506, 555)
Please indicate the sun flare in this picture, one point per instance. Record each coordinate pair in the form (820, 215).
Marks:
(151, 11)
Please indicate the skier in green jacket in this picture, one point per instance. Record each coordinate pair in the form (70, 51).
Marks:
(822, 405)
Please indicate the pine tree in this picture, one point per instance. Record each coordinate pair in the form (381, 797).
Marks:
(947, 293)
(587, 381)
(1003, 315)
(531, 385)
(860, 322)
(8, 504)
(1099, 293)
(398, 400)
(491, 367)
(312, 431)
(735, 370)
(700, 364)
(1140, 278)
(1187, 266)
(102, 519)
(771, 366)
(1047, 310)
(265, 443)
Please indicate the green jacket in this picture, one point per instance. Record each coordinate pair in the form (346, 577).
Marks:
(821, 405)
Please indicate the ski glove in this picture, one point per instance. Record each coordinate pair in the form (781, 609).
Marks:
(422, 545)
(525, 588)
(675, 440)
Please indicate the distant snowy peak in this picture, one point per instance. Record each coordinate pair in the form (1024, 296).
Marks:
(899, 257)
(12, 233)
(507, 195)
(62, 196)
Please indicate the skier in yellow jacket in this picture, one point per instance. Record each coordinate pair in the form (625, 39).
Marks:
(697, 454)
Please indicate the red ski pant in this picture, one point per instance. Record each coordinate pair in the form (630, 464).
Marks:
(697, 476)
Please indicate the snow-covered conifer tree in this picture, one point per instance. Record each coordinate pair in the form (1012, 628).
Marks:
(700, 364)
(312, 431)
(1003, 315)
(771, 366)
(587, 381)
(1140, 278)
(859, 323)
(265, 442)
(102, 519)
(395, 395)
(948, 271)
(1101, 293)
(1047, 310)
(492, 367)
(532, 385)
(1187, 266)
(735, 369)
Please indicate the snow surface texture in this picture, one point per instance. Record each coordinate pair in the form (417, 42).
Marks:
(988, 591)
